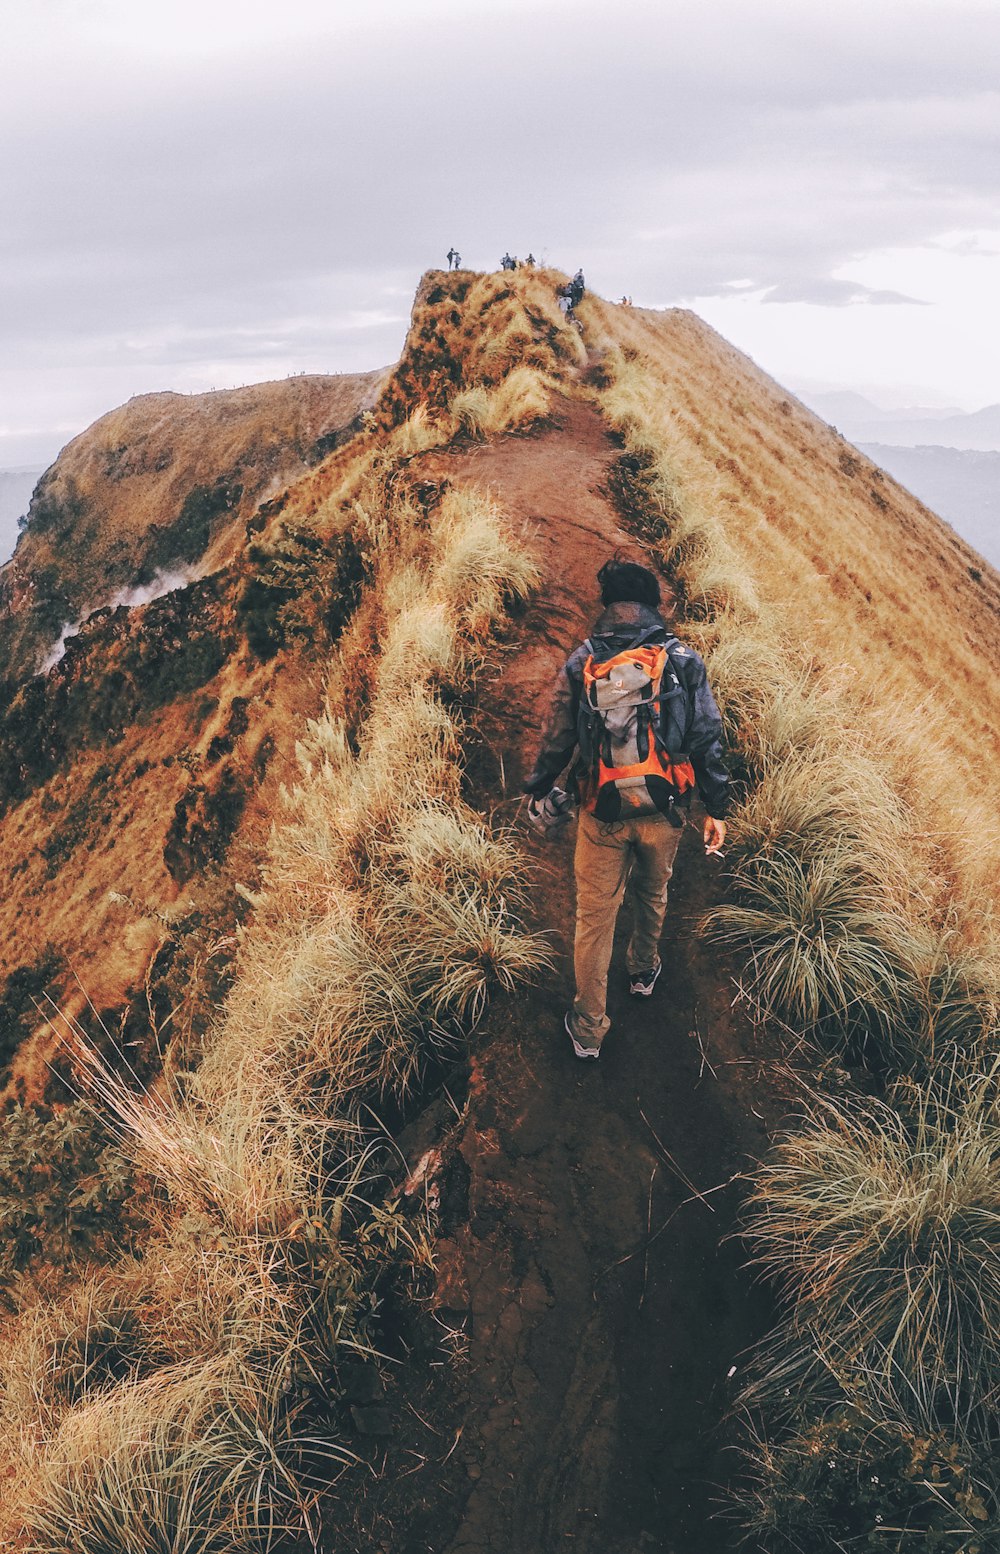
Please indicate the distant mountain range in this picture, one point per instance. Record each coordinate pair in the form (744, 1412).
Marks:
(16, 486)
(960, 485)
(916, 426)
(948, 458)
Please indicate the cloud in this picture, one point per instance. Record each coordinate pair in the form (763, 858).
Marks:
(240, 185)
(829, 292)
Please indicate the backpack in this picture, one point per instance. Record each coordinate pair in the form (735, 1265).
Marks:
(632, 711)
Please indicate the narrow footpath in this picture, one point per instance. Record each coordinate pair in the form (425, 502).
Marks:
(589, 1210)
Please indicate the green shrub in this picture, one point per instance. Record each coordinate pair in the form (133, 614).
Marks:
(64, 1188)
(24, 989)
(303, 589)
(846, 1481)
(186, 538)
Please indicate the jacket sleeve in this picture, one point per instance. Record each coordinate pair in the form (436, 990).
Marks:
(559, 739)
(705, 740)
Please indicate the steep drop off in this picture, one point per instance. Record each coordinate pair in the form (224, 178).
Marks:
(132, 751)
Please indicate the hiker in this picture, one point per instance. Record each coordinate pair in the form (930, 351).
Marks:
(577, 288)
(507, 263)
(454, 258)
(565, 296)
(530, 261)
(635, 708)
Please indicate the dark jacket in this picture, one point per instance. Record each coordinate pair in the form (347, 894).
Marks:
(701, 738)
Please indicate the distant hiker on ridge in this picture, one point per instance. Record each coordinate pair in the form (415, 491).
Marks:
(454, 258)
(530, 261)
(635, 708)
(507, 263)
(577, 288)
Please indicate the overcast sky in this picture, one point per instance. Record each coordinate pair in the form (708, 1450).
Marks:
(202, 193)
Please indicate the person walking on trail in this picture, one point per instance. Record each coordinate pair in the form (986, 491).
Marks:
(507, 263)
(454, 258)
(633, 706)
(577, 288)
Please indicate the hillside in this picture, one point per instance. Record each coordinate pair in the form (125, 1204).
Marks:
(162, 487)
(869, 581)
(131, 765)
(378, 1261)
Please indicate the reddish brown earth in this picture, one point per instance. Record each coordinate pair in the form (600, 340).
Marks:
(588, 1210)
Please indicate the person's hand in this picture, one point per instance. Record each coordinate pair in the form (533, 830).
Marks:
(550, 816)
(536, 816)
(714, 833)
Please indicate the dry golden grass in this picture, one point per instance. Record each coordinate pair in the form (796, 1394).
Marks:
(519, 401)
(853, 574)
(851, 638)
(385, 915)
(472, 332)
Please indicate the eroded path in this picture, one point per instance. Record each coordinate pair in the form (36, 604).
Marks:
(604, 1304)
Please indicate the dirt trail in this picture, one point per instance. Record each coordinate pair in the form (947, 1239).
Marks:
(599, 1354)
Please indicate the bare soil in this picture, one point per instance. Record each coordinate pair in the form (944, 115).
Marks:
(588, 1209)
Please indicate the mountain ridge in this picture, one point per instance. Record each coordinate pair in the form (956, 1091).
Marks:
(244, 730)
(864, 422)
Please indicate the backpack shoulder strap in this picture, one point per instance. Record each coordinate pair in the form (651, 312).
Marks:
(598, 647)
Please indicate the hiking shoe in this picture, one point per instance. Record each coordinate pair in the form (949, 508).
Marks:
(642, 983)
(581, 1052)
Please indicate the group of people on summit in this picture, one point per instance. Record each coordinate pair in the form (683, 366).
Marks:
(570, 295)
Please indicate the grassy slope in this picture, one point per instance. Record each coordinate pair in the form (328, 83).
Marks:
(853, 639)
(384, 919)
(861, 580)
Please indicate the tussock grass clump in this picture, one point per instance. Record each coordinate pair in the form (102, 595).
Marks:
(474, 567)
(952, 1014)
(188, 1460)
(807, 798)
(825, 950)
(883, 1229)
(66, 1352)
(520, 400)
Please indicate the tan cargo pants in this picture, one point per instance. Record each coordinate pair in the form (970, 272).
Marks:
(637, 853)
